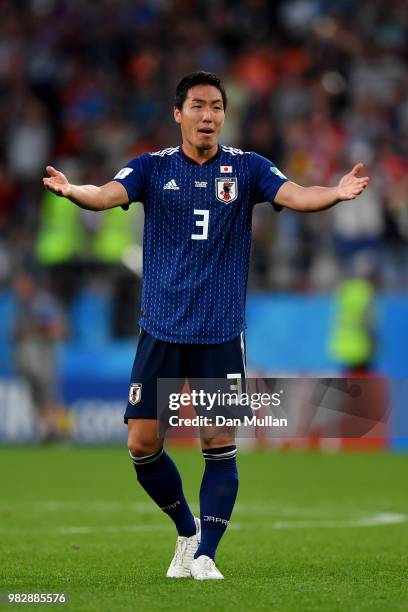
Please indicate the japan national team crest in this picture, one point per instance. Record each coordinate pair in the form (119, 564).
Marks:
(226, 189)
(135, 393)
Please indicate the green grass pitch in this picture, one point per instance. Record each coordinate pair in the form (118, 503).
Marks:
(310, 532)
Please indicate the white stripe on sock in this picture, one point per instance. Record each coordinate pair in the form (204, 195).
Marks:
(146, 458)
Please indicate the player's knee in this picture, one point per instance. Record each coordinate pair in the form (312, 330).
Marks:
(140, 447)
(143, 438)
(217, 437)
(216, 441)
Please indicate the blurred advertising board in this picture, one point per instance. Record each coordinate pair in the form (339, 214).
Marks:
(346, 413)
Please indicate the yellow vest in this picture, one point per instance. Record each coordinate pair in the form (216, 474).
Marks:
(60, 236)
(351, 341)
(114, 236)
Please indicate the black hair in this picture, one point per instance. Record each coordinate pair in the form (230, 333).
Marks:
(198, 78)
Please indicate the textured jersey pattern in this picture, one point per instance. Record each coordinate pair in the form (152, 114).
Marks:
(194, 290)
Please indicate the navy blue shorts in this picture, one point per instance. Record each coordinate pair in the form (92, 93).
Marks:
(159, 359)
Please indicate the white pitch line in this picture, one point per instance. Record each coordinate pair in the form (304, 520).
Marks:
(374, 520)
(310, 518)
(122, 529)
(258, 509)
(79, 506)
(368, 521)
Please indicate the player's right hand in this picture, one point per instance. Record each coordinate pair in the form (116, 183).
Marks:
(57, 182)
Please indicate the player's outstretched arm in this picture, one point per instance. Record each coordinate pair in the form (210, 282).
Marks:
(89, 197)
(312, 199)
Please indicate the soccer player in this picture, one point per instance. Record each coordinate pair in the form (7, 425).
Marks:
(198, 200)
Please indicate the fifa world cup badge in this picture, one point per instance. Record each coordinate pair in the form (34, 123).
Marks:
(135, 393)
(226, 189)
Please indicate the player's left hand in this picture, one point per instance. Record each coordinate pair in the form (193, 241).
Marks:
(350, 186)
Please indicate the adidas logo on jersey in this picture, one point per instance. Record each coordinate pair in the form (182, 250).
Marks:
(171, 185)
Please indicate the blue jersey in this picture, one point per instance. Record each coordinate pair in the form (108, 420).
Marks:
(197, 239)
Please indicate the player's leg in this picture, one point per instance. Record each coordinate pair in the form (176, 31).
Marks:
(155, 470)
(219, 485)
(158, 475)
(218, 493)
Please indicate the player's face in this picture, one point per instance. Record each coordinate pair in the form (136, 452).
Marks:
(201, 117)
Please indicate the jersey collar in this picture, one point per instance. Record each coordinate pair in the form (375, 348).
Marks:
(192, 161)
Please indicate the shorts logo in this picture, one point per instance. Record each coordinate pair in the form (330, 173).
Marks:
(135, 393)
(226, 189)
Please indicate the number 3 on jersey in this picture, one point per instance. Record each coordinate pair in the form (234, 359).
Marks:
(203, 222)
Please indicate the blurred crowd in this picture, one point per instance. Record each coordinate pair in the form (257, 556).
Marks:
(314, 85)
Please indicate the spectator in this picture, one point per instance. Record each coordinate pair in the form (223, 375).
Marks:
(39, 326)
(309, 81)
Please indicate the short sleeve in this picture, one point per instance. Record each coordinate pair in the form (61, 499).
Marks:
(133, 178)
(267, 180)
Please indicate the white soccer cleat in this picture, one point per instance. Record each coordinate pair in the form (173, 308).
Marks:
(204, 568)
(184, 554)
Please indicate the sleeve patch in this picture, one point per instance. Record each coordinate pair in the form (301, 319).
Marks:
(278, 172)
(123, 173)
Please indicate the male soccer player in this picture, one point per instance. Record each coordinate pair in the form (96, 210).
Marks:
(198, 200)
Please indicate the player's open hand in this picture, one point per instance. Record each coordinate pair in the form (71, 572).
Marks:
(57, 182)
(350, 186)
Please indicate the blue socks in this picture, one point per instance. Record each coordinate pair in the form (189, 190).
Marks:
(160, 478)
(218, 493)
